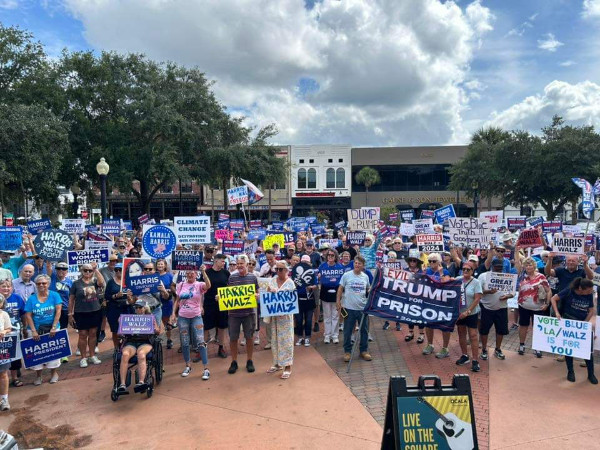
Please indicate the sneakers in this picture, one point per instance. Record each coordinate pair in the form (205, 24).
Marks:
(250, 366)
(64, 360)
(327, 340)
(77, 352)
(498, 354)
(366, 356)
(54, 379)
(346, 357)
(256, 340)
(571, 376)
(243, 341)
(233, 368)
(221, 352)
(300, 342)
(443, 353)
(83, 363)
(538, 354)
(475, 366)
(38, 381)
(101, 336)
(316, 327)
(268, 346)
(206, 374)
(341, 327)
(428, 350)
(484, 355)
(560, 358)
(514, 326)
(398, 327)
(420, 339)
(335, 340)
(464, 359)
(307, 342)
(96, 349)
(169, 344)
(371, 338)
(186, 371)
(592, 378)
(4, 405)
(386, 325)
(95, 360)
(122, 389)
(521, 349)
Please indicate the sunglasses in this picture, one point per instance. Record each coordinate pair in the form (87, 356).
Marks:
(467, 269)
(138, 307)
(61, 268)
(331, 255)
(281, 269)
(434, 261)
(118, 270)
(148, 269)
(88, 270)
(42, 283)
(122, 247)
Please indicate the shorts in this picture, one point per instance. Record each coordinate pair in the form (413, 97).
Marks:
(214, 318)
(234, 326)
(526, 316)
(136, 345)
(167, 309)
(64, 318)
(469, 321)
(498, 318)
(87, 320)
(4, 367)
(113, 311)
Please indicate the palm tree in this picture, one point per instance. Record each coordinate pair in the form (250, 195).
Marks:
(367, 176)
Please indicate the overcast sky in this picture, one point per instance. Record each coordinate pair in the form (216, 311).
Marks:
(360, 72)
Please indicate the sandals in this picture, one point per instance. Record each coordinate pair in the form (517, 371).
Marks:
(420, 339)
(286, 374)
(409, 337)
(274, 369)
(17, 383)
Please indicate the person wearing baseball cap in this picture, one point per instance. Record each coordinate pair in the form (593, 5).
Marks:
(62, 285)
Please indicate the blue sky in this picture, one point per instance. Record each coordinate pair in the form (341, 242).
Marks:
(363, 72)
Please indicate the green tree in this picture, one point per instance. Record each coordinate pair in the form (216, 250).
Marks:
(367, 176)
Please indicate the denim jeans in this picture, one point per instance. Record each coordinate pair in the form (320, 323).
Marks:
(157, 313)
(354, 317)
(188, 328)
(304, 323)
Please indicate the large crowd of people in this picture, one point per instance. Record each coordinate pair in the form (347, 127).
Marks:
(38, 297)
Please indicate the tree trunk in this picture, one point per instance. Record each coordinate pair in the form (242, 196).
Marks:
(270, 212)
(144, 199)
(225, 202)
(212, 209)
(366, 195)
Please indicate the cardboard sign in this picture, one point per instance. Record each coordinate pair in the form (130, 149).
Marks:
(332, 243)
(79, 257)
(516, 223)
(143, 284)
(11, 238)
(469, 232)
(237, 195)
(186, 259)
(423, 226)
(73, 226)
(407, 229)
(363, 219)
(552, 226)
(530, 238)
(568, 245)
(46, 349)
(111, 226)
(237, 297)
(272, 239)
(52, 245)
(233, 247)
(192, 229)
(571, 229)
(136, 324)
(444, 213)
(503, 282)
(356, 237)
(494, 217)
(223, 234)
(35, 226)
(158, 241)
(278, 303)
(429, 243)
(562, 337)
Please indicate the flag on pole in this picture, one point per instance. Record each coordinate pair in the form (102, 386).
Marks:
(588, 203)
(254, 193)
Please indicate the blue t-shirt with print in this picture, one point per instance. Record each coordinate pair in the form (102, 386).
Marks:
(43, 313)
(63, 287)
(14, 306)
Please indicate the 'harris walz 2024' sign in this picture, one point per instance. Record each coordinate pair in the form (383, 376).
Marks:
(419, 300)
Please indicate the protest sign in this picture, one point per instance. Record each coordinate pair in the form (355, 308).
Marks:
(192, 229)
(562, 337)
(111, 226)
(278, 303)
(127, 225)
(552, 226)
(256, 234)
(223, 234)
(35, 226)
(444, 213)
(395, 265)
(289, 237)
(98, 245)
(143, 219)
(136, 324)
(93, 236)
(407, 215)
(363, 219)
(420, 300)
(331, 243)
(311, 219)
(332, 275)
(506, 283)
(530, 237)
(535, 221)
(79, 257)
(271, 239)
(52, 245)
(469, 232)
(250, 247)
(516, 223)
(9, 347)
(263, 284)
(223, 216)
(570, 229)
(407, 229)
(318, 229)
(158, 241)
(11, 238)
(393, 217)
(428, 243)
(132, 267)
(277, 226)
(237, 297)
(425, 214)
(45, 349)
(143, 284)
(73, 226)
(568, 245)
(304, 275)
(233, 247)
(299, 226)
(494, 217)
(223, 224)
(236, 225)
(423, 226)
(255, 223)
(356, 237)
(186, 259)
(237, 195)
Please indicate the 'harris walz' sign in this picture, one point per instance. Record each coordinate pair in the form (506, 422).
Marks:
(419, 300)
(52, 245)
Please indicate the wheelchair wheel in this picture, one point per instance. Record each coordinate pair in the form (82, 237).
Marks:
(113, 396)
(149, 392)
(158, 364)
(116, 375)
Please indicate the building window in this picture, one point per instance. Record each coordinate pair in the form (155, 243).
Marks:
(330, 179)
(301, 161)
(166, 189)
(301, 178)
(341, 160)
(330, 160)
(408, 177)
(311, 161)
(312, 179)
(340, 178)
(279, 185)
(186, 187)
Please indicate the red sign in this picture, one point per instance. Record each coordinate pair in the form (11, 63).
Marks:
(530, 237)
(84, 214)
(9, 221)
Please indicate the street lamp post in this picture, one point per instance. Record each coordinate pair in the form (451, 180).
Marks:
(102, 168)
(76, 190)
(474, 187)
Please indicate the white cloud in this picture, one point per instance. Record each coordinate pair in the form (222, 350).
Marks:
(591, 8)
(567, 63)
(9, 4)
(577, 103)
(549, 43)
(388, 72)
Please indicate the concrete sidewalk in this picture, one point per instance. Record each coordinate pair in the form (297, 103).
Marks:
(313, 409)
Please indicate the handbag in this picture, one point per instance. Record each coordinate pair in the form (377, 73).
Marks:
(44, 329)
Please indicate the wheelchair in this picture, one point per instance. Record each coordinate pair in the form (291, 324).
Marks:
(154, 370)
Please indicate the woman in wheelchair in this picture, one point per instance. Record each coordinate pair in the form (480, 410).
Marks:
(137, 345)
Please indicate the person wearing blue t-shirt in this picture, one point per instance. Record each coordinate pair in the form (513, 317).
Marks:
(62, 285)
(14, 306)
(330, 274)
(438, 273)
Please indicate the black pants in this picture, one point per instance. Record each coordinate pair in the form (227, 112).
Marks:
(589, 363)
(303, 319)
(412, 327)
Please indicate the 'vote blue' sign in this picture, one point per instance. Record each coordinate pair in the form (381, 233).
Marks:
(159, 241)
(45, 349)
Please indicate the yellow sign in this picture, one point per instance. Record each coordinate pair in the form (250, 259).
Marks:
(271, 239)
(237, 297)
